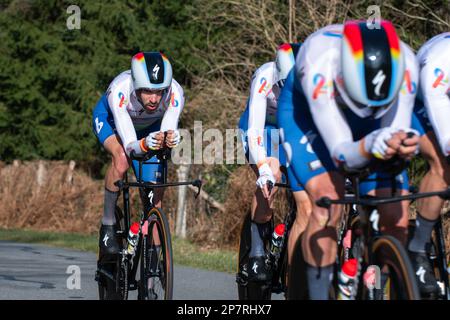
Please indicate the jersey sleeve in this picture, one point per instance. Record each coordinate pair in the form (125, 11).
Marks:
(434, 84)
(174, 109)
(118, 98)
(260, 88)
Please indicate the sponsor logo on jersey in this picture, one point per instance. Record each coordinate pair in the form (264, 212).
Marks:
(440, 81)
(408, 85)
(265, 86)
(173, 102)
(259, 141)
(122, 100)
(321, 86)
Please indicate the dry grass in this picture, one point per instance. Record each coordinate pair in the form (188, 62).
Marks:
(55, 205)
(77, 207)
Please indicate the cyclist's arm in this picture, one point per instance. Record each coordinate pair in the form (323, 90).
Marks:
(261, 86)
(122, 119)
(434, 80)
(399, 116)
(175, 106)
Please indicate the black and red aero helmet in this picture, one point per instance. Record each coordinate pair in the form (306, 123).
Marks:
(372, 65)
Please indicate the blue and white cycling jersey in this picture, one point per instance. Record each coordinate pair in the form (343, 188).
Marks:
(259, 132)
(119, 112)
(318, 129)
(432, 109)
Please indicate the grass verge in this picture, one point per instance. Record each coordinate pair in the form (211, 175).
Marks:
(184, 252)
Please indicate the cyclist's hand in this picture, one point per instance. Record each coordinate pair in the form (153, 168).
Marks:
(173, 138)
(265, 175)
(154, 140)
(394, 144)
(410, 144)
(378, 144)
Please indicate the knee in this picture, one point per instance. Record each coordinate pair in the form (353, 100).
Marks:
(120, 162)
(304, 205)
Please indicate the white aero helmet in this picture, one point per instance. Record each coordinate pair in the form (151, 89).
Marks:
(151, 70)
(373, 67)
(285, 60)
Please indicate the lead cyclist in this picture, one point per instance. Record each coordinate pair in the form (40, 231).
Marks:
(138, 107)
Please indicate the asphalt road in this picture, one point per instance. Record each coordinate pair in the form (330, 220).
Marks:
(38, 272)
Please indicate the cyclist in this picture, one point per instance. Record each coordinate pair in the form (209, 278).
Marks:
(139, 105)
(261, 146)
(430, 118)
(350, 93)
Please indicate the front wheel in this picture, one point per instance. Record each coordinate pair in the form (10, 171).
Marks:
(157, 266)
(398, 281)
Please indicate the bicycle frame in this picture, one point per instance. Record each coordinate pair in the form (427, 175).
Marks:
(163, 157)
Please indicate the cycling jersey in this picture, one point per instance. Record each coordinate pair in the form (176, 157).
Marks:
(318, 129)
(317, 68)
(261, 110)
(434, 93)
(119, 112)
(259, 133)
(130, 116)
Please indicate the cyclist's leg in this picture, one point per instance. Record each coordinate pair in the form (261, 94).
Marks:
(261, 208)
(103, 126)
(303, 212)
(311, 164)
(436, 178)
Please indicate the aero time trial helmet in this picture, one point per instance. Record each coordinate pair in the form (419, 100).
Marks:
(373, 67)
(285, 60)
(151, 70)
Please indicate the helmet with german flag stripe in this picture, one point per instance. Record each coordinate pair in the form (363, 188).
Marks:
(373, 67)
(151, 70)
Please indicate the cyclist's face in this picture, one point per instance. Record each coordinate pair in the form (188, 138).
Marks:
(150, 98)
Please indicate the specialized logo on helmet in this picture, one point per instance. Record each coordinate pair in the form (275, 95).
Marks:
(155, 72)
(378, 81)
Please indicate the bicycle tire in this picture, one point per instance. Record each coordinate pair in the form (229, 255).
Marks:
(161, 262)
(388, 251)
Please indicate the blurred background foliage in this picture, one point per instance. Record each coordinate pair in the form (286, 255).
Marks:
(51, 77)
